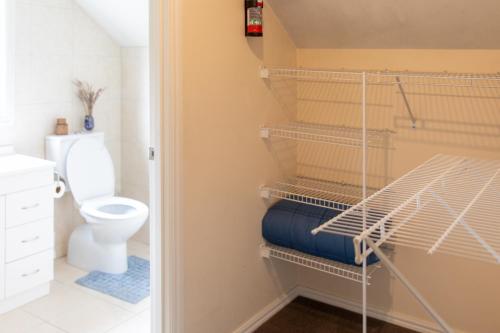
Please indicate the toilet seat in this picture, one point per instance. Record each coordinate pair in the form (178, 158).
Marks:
(101, 243)
(113, 208)
(90, 171)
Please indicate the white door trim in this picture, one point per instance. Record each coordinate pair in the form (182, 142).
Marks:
(155, 175)
(165, 179)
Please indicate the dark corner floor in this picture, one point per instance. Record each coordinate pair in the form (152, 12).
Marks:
(307, 316)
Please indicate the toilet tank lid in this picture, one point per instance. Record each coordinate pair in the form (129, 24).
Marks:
(75, 136)
(89, 170)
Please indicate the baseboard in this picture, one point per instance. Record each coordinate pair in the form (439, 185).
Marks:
(398, 319)
(28, 296)
(279, 303)
(267, 312)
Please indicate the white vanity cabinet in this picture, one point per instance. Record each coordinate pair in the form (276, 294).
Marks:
(26, 229)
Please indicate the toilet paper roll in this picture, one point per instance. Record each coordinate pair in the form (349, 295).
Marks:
(59, 189)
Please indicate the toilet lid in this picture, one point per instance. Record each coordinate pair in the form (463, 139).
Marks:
(89, 169)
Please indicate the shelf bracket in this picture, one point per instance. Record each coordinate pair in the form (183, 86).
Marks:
(469, 229)
(265, 133)
(265, 192)
(408, 108)
(264, 73)
(460, 220)
(265, 252)
(393, 269)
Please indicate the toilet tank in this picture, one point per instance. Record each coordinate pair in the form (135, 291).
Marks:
(57, 148)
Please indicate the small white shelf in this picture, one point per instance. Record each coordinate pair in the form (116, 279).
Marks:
(342, 136)
(313, 192)
(349, 272)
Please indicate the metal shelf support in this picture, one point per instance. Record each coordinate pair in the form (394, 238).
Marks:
(397, 273)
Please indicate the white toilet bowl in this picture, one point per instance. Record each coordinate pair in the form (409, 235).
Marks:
(101, 243)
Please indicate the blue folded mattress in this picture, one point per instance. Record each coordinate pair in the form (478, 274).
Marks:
(289, 224)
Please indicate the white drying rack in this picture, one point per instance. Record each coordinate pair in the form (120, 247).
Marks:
(448, 204)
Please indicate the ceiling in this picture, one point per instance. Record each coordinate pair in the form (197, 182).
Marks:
(424, 24)
(125, 20)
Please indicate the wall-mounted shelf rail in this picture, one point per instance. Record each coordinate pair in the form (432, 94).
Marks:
(448, 204)
(342, 136)
(385, 77)
(313, 192)
(345, 271)
(303, 74)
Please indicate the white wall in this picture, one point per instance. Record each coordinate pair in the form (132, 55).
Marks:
(135, 128)
(126, 21)
(6, 71)
(56, 43)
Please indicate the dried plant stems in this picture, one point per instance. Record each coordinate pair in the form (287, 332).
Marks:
(88, 95)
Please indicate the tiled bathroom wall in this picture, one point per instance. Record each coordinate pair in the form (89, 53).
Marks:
(56, 42)
(135, 128)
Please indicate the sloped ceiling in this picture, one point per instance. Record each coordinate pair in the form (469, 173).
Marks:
(125, 20)
(426, 24)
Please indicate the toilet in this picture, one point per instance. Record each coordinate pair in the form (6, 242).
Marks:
(85, 164)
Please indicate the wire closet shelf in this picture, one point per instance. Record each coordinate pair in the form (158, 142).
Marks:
(385, 77)
(448, 204)
(335, 135)
(331, 195)
(345, 271)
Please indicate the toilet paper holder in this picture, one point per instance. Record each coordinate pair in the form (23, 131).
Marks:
(59, 185)
(58, 177)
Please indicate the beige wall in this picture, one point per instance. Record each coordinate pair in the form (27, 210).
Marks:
(224, 162)
(464, 292)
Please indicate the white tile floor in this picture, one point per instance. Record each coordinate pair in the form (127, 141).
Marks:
(71, 308)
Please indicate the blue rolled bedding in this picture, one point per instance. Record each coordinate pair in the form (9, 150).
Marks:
(289, 224)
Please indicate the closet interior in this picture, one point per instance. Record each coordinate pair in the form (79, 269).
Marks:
(342, 129)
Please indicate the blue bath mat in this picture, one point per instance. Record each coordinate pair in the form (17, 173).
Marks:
(131, 286)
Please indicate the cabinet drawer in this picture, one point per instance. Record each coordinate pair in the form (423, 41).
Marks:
(29, 206)
(26, 181)
(29, 239)
(28, 273)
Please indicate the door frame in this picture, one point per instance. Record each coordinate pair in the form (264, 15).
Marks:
(165, 169)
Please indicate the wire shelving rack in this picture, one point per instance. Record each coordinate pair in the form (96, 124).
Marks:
(447, 205)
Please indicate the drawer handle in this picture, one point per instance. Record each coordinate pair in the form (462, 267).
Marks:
(30, 207)
(31, 274)
(31, 240)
